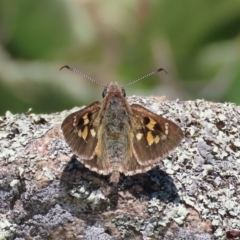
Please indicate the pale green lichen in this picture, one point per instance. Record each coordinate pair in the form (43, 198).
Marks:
(6, 228)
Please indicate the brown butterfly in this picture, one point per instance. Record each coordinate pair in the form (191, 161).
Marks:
(113, 137)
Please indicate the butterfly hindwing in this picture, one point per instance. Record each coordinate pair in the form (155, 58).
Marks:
(80, 131)
(97, 165)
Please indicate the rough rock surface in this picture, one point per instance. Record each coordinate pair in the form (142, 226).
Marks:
(45, 193)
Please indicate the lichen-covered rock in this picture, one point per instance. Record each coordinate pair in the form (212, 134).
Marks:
(45, 193)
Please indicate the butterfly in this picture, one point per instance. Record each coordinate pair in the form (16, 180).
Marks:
(113, 137)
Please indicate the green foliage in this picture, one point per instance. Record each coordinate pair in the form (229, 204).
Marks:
(197, 42)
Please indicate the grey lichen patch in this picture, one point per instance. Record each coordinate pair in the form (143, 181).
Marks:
(160, 215)
(47, 224)
(46, 193)
(176, 212)
(93, 198)
(99, 233)
(127, 226)
(27, 185)
(17, 130)
(7, 229)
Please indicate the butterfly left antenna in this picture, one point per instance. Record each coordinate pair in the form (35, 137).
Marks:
(76, 71)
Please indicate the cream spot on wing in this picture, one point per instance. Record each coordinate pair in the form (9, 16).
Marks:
(75, 121)
(80, 133)
(98, 150)
(85, 133)
(93, 133)
(151, 124)
(85, 119)
(150, 138)
(139, 136)
(156, 139)
(164, 137)
(166, 128)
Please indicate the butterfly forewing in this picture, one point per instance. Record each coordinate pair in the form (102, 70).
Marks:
(153, 136)
(80, 131)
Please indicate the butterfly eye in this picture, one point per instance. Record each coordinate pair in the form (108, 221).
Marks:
(104, 92)
(123, 92)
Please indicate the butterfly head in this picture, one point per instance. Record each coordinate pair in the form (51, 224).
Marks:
(113, 89)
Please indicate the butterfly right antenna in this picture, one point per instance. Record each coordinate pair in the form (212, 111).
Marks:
(149, 74)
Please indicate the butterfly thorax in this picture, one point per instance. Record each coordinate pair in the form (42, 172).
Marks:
(116, 118)
(115, 112)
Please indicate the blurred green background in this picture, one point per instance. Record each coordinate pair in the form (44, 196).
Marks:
(197, 42)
